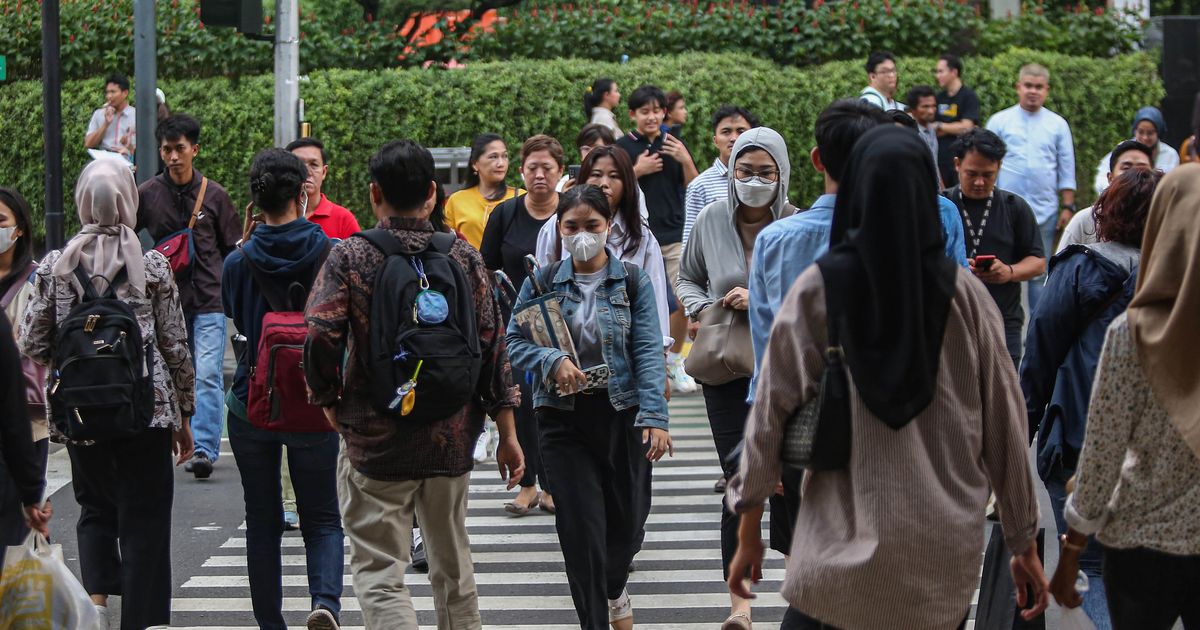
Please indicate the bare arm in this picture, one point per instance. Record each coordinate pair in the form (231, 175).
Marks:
(955, 128)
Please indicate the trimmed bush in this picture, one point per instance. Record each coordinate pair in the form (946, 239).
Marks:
(356, 111)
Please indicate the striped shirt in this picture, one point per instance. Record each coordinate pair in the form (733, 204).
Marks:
(709, 186)
(893, 540)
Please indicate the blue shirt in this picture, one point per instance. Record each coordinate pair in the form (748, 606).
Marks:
(785, 248)
(1040, 160)
(709, 186)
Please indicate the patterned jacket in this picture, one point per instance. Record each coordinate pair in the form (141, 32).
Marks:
(338, 312)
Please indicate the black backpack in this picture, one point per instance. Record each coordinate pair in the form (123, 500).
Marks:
(446, 353)
(103, 382)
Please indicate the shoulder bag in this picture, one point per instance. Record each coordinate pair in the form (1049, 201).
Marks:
(722, 351)
(817, 436)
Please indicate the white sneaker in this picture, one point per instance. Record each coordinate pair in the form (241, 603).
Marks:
(681, 382)
(620, 608)
(481, 446)
(102, 612)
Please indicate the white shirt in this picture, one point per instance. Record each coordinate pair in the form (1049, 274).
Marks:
(1080, 230)
(1167, 159)
(604, 116)
(121, 124)
(1040, 160)
(871, 96)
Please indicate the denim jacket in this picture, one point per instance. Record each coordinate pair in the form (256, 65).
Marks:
(632, 344)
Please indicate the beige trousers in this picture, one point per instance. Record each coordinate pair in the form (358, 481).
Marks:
(377, 517)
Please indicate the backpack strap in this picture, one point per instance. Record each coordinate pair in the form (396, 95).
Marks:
(89, 290)
(546, 274)
(383, 240)
(632, 276)
(199, 202)
(442, 242)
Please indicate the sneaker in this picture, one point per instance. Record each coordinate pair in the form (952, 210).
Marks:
(321, 618)
(291, 521)
(681, 383)
(481, 445)
(102, 612)
(202, 466)
(420, 560)
(620, 608)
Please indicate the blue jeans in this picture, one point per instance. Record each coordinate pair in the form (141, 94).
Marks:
(312, 458)
(1037, 285)
(206, 337)
(1091, 561)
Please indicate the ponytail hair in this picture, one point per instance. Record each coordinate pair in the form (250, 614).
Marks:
(276, 177)
(594, 95)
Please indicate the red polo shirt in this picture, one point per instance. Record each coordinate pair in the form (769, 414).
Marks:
(335, 221)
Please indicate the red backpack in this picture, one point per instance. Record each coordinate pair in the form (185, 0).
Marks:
(278, 396)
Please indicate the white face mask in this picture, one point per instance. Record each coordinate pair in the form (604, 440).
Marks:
(8, 238)
(756, 193)
(584, 246)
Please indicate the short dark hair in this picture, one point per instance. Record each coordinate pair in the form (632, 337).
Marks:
(953, 62)
(592, 132)
(730, 111)
(306, 141)
(542, 142)
(674, 96)
(877, 58)
(478, 145)
(276, 175)
(403, 171)
(646, 94)
(903, 118)
(118, 80)
(178, 126)
(1126, 147)
(916, 93)
(981, 141)
(839, 127)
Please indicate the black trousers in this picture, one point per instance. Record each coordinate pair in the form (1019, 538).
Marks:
(727, 412)
(1149, 590)
(124, 489)
(527, 435)
(596, 454)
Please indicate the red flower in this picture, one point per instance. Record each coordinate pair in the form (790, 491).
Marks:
(1099, 10)
(72, 39)
(887, 6)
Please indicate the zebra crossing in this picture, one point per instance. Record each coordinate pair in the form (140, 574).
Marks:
(677, 584)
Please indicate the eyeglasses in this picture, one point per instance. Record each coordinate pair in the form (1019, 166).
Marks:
(744, 174)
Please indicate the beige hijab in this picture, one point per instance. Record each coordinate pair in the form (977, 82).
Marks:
(107, 199)
(1166, 305)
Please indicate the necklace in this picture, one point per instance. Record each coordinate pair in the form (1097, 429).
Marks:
(975, 235)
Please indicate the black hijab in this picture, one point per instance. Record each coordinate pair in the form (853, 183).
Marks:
(888, 283)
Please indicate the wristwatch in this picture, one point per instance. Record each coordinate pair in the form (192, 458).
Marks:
(1069, 206)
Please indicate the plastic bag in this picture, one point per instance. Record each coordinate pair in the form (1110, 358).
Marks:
(38, 591)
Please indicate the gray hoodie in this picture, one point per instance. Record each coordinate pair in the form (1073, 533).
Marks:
(714, 261)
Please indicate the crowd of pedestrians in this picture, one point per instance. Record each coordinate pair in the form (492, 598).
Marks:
(874, 367)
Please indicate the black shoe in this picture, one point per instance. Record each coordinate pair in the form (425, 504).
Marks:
(202, 466)
(719, 487)
(321, 618)
(420, 561)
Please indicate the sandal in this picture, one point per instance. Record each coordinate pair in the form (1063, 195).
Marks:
(737, 621)
(512, 507)
(549, 508)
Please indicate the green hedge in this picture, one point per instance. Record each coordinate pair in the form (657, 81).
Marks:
(355, 111)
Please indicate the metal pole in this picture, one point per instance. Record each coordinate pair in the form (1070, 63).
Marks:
(287, 70)
(52, 125)
(145, 67)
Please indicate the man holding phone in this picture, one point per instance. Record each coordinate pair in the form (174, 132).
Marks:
(1003, 244)
(113, 127)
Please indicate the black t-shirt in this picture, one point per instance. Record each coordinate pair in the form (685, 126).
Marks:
(664, 190)
(511, 233)
(964, 105)
(1011, 235)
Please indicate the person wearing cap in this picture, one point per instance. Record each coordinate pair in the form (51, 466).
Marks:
(1148, 128)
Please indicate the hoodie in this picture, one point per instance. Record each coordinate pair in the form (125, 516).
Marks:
(714, 260)
(284, 253)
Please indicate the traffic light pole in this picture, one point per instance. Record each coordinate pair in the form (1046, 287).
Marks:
(52, 125)
(287, 71)
(145, 67)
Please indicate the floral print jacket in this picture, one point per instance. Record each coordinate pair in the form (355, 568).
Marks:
(159, 316)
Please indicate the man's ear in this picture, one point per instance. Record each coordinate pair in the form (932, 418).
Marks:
(815, 156)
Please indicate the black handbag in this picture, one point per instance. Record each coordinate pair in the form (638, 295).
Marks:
(817, 436)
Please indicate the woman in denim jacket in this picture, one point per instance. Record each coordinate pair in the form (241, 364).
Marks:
(598, 441)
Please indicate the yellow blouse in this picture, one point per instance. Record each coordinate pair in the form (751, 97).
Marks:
(467, 212)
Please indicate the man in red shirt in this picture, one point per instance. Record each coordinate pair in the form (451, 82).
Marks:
(336, 221)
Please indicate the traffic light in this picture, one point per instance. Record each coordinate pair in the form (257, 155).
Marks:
(244, 15)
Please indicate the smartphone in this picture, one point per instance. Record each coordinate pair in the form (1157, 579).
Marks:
(573, 171)
(985, 262)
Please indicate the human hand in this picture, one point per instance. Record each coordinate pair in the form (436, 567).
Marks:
(182, 444)
(331, 417)
(693, 328)
(570, 379)
(999, 272)
(38, 518)
(674, 148)
(747, 558)
(110, 112)
(567, 185)
(737, 298)
(1027, 573)
(1064, 218)
(660, 443)
(647, 163)
(510, 459)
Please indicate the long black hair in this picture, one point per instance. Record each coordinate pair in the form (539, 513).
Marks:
(478, 146)
(627, 208)
(22, 250)
(594, 95)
